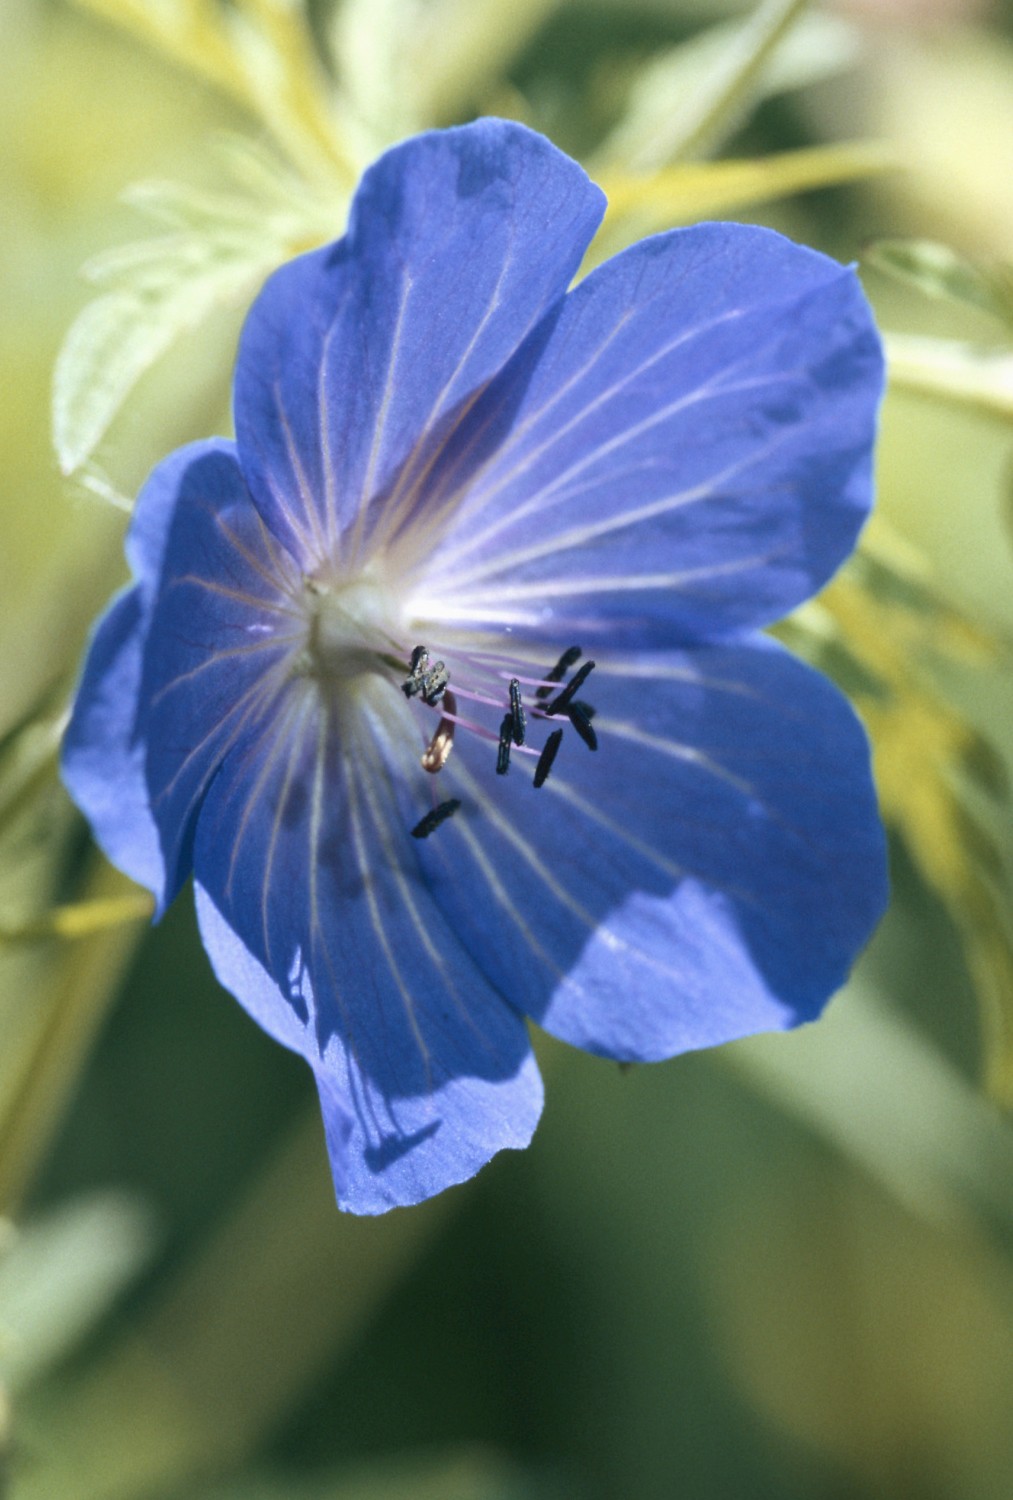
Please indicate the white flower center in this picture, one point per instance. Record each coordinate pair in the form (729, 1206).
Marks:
(351, 627)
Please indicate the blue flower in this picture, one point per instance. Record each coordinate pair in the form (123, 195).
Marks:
(454, 487)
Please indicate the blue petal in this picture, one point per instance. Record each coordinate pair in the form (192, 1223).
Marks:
(219, 648)
(315, 916)
(355, 355)
(685, 449)
(711, 871)
(103, 759)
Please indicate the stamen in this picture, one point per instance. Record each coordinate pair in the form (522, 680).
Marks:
(559, 671)
(425, 826)
(437, 752)
(434, 684)
(517, 711)
(417, 669)
(581, 720)
(562, 701)
(430, 681)
(549, 752)
(506, 734)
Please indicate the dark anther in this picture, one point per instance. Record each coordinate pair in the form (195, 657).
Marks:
(562, 701)
(434, 684)
(506, 734)
(578, 717)
(587, 709)
(549, 751)
(517, 711)
(424, 827)
(559, 671)
(417, 669)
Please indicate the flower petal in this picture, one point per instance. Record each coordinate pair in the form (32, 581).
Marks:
(103, 757)
(684, 450)
(217, 657)
(354, 355)
(315, 917)
(712, 871)
(102, 761)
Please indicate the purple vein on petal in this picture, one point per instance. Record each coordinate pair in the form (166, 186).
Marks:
(250, 558)
(471, 484)
(320, 957)
(405, 495)
(320, 962)
(472, 478)
(383, 823)
(503, 826)
(254, 700)
(362, 859)
(228, 653)
(706, 763)
(686, 753)
(380, 420)
(280, 731)
(333, 524)
(310, 535)
(286, 572)
(237, 596)
(558, 786)
(505, 902)
(296, 747)
(503, 562)
(614, 939)
(558, 587)
(555, 492)
(316, 816)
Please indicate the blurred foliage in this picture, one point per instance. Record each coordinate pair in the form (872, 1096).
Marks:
(782, 1270)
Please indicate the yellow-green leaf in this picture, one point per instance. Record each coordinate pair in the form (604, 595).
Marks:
(953, 371)
(78, 919)
(687, 101)
(700, 190)
(940, 271)
(60, 1274)
(218, 249)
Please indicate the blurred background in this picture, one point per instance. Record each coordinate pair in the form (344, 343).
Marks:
(778, 1270)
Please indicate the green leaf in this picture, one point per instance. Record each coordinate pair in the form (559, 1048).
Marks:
(28, 754)
(689, 191)
(53, 998)
(941, 272)
(203, 1378)
(467, 1473)
(868, 1082)
(407, 66)
(949, 370)
(940, 783)
(59, 1275)
(263, 54)
(78, 919)
(218, 249)
(119, 336)
(687, 101)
